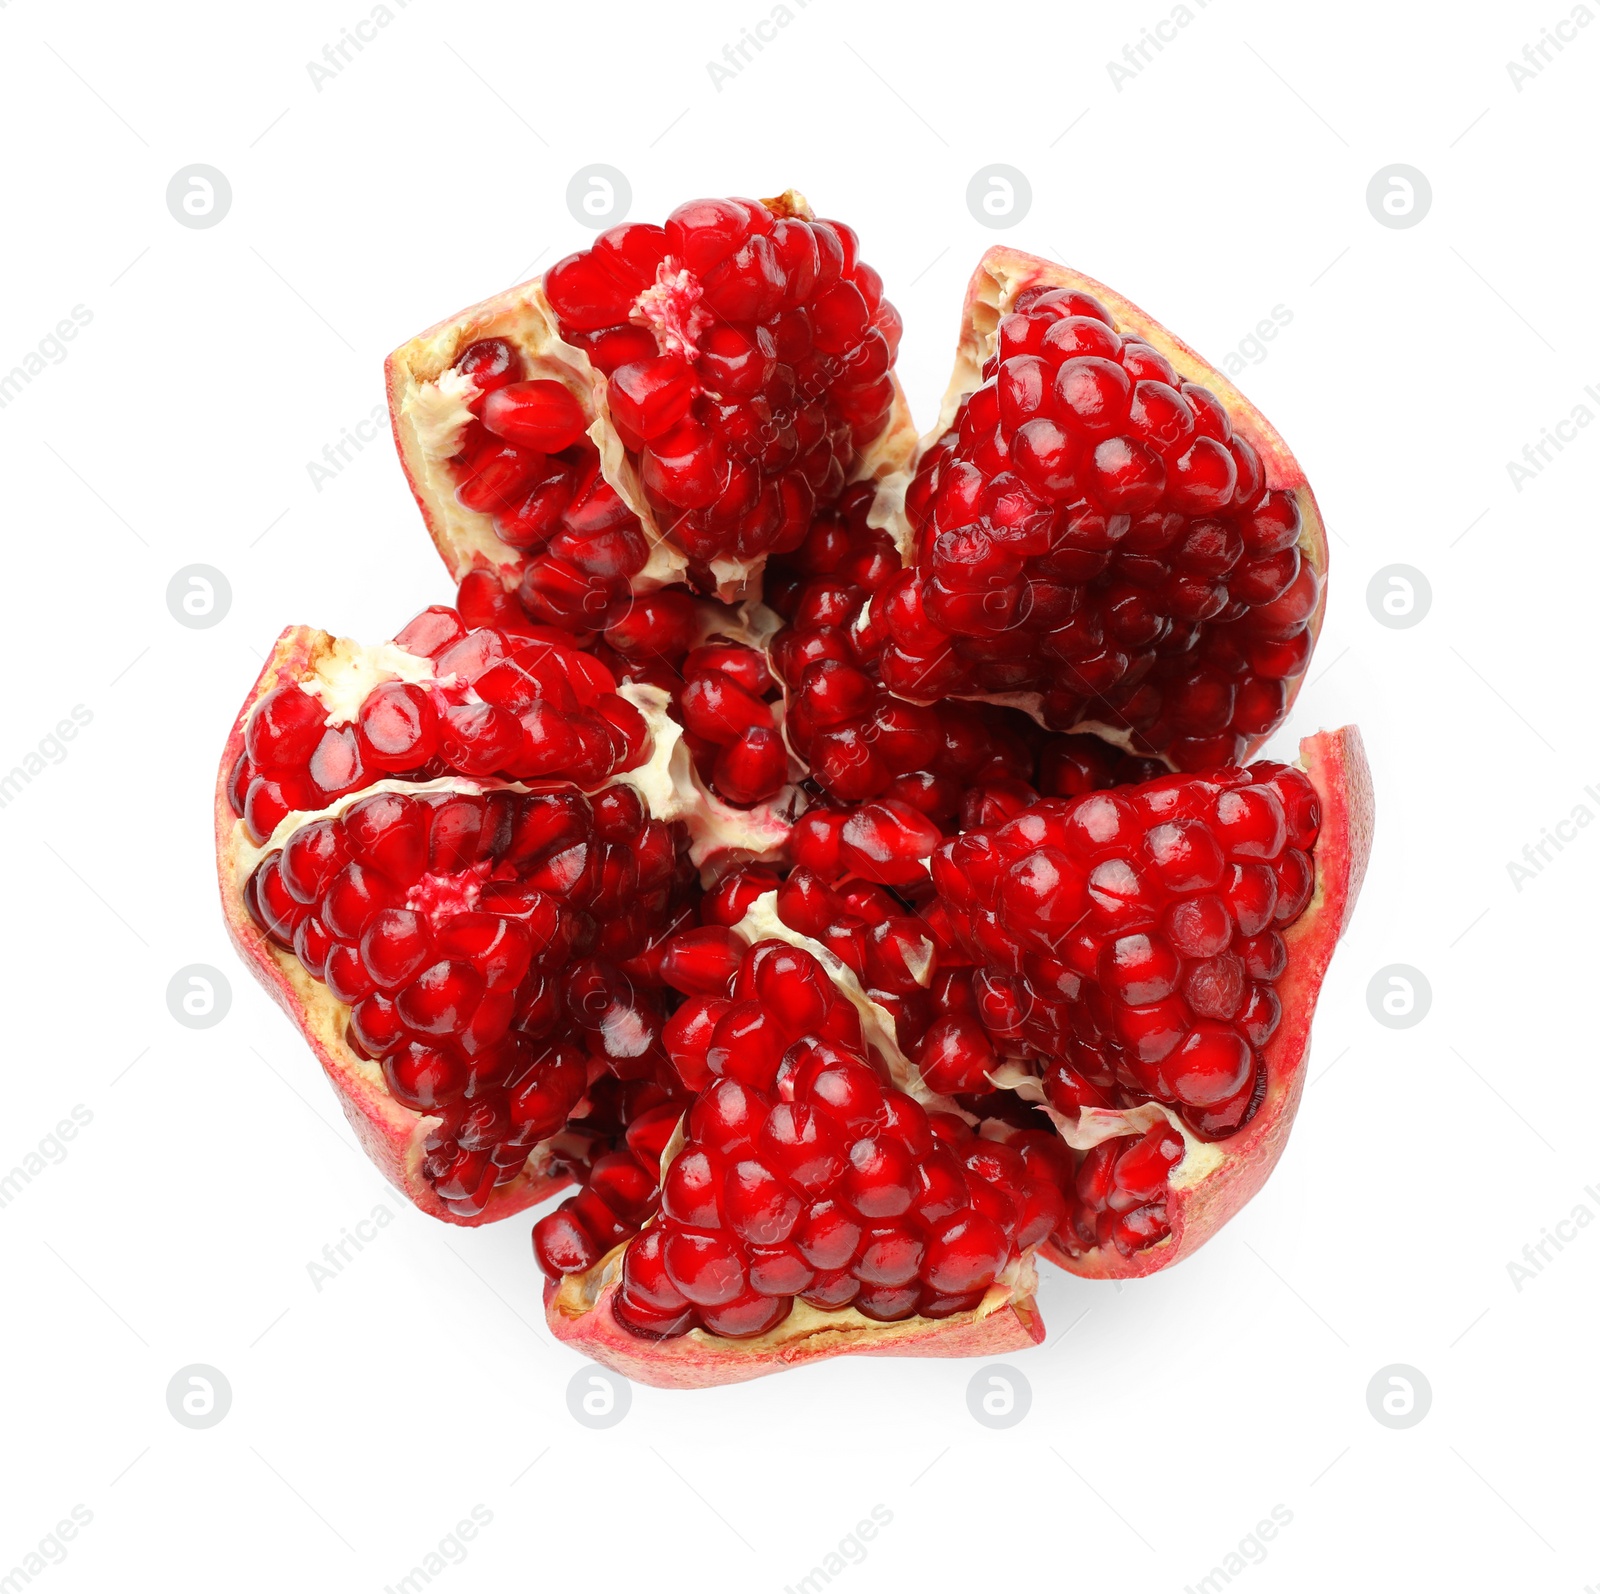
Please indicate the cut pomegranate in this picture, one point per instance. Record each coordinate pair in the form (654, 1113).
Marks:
(1103, 528)
(809, 1206)
(669, 405)
(1213, 1178)
(842, 864)
(437, 938)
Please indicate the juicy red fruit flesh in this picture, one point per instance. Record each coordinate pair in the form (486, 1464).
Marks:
(474, 938)
(806, 1175)
(522, 703)
(747, 352)
(1131, 940)
(1092, 528)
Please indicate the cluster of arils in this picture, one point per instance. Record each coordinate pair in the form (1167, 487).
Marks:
(1091, 529)
(837, 859)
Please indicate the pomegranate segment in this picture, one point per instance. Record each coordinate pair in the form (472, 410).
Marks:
(1105, 525)
(667, 406)
(471, 935)
(804, 1180)
(1132, 939)
(770, 371)
(518, 703)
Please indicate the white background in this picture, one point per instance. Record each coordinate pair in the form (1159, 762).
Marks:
(1226, 178)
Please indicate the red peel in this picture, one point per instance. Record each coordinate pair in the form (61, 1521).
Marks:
(578, 1310)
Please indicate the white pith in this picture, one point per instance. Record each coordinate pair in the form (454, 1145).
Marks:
(761, 923)
(439, 412)
(720, 835)
(344, 676)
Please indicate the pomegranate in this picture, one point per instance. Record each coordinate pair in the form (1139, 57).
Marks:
(808, 1205)
(444, 942)
(667, 406)
(1104, 529)
(839, 857)
(1111, 1176)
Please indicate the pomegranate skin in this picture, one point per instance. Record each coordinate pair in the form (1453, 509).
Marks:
(578, 1310)
(391, 1135)
(1213, 1181)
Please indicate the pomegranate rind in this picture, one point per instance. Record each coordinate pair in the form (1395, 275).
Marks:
(1214, 1180)
(522, 315)
(1004, 273)
(390, 1134)
(578, 1310)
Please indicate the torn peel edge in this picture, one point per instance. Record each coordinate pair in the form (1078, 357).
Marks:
(578, 1310)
